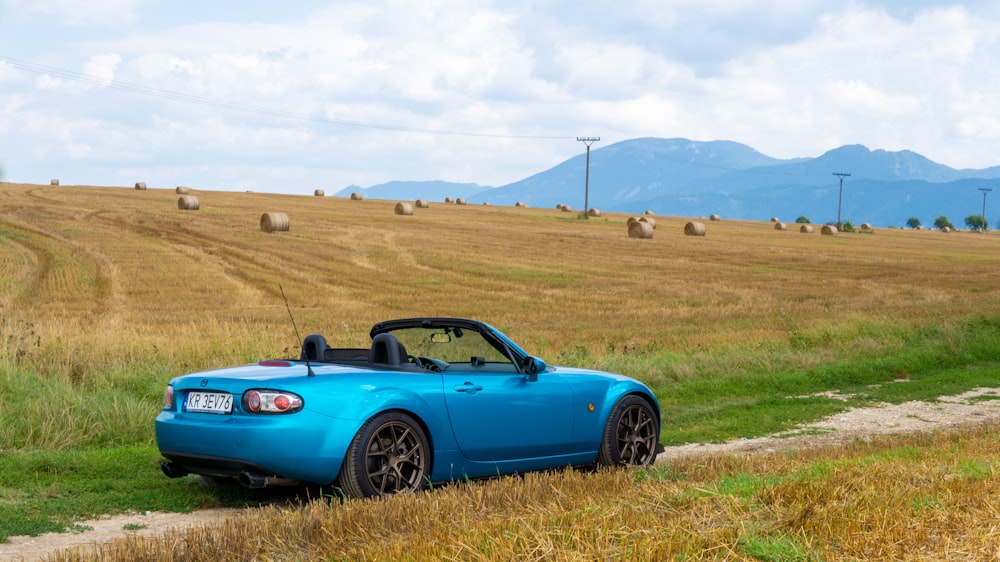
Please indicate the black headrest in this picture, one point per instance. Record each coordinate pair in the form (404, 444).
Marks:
(386, 349)
(314, 348)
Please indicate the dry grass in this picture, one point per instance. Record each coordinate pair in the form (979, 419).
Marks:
(922, 497)
(93, 280)
(105, 268)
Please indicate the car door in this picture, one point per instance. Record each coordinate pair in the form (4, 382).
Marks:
(499, 416)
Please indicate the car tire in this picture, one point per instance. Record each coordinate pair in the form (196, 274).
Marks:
(631, 434)
(389, 454)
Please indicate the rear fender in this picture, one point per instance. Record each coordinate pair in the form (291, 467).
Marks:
(436, 426)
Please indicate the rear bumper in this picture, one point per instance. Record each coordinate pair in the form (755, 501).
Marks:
(301, 446)
(213, 466)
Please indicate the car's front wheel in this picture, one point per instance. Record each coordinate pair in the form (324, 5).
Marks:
(630, 435)
(389, 454)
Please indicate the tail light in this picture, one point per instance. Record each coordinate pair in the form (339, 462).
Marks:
(271, 402)
(168, 398)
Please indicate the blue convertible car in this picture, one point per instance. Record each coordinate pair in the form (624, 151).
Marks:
(432, 400)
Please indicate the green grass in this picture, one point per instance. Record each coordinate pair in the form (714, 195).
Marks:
(77, 447)
(47, 491)
(752, 394)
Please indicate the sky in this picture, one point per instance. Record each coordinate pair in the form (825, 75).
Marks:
(288, 97)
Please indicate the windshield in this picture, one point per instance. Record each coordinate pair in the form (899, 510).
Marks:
(450, 344)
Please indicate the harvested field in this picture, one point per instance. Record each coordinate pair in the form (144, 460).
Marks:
(344, 252)
(101, 283)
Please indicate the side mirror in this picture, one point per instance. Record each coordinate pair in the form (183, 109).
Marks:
(533, 366)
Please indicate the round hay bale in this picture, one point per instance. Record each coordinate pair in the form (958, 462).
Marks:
(182, 190)
(486, 203)
(780, 226)
(140, 185)
(945, 229)
(274, 222)
(648, 213)
(460, 201)
(356, 196)
(828, 230)
(806, 229)
(188, 203)
(714, 218)
(449, 200)
(639, 229)
(421, 203)
(594, 212)
(694, 229)
(774, 219)
(866, 226)
(53, 181)
(559, 206)
(404, 209)
(648, 219)
(567, 209)
(319, 193)
(520, 204)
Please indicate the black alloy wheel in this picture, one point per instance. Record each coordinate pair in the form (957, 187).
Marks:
(630, 435)
(390, 454)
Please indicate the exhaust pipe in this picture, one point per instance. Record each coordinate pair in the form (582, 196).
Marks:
(252, 480)
(173, 470)
(255, 480)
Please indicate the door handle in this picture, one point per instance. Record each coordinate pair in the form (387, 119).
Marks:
(468, 387)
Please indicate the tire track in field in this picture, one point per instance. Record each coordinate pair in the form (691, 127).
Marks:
(252, 272)
(183, 240)
(359, 240)
(106, 295)
(42, 258)
(40, 194)
(17, 265)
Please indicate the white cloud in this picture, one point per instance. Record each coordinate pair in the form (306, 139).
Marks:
(102, 67)
(865, 99)
(788, 78)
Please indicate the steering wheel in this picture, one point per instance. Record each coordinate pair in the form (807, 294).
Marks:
(432, 364)
(416, 361)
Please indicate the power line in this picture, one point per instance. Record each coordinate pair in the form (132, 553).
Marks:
(36, 68)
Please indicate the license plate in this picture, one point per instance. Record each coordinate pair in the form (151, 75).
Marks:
(212, 402)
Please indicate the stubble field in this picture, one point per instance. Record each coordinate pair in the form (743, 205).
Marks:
(108, 269)
(110, 291)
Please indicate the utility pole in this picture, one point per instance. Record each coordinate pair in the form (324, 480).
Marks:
(586, 185)
(840, 202)
(985, 190)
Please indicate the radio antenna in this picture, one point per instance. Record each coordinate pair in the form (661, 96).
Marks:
(296, 328)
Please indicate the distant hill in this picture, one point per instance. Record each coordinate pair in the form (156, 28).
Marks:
(429, 190)
(692, 178)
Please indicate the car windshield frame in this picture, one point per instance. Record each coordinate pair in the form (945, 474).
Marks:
(491, 336)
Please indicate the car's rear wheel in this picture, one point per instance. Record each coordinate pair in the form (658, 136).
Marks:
(630, 435)
(389, 454)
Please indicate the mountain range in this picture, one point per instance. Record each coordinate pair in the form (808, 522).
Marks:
(682, 177)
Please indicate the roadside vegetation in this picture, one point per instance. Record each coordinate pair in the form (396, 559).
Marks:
(918, 497)
(106, 293)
